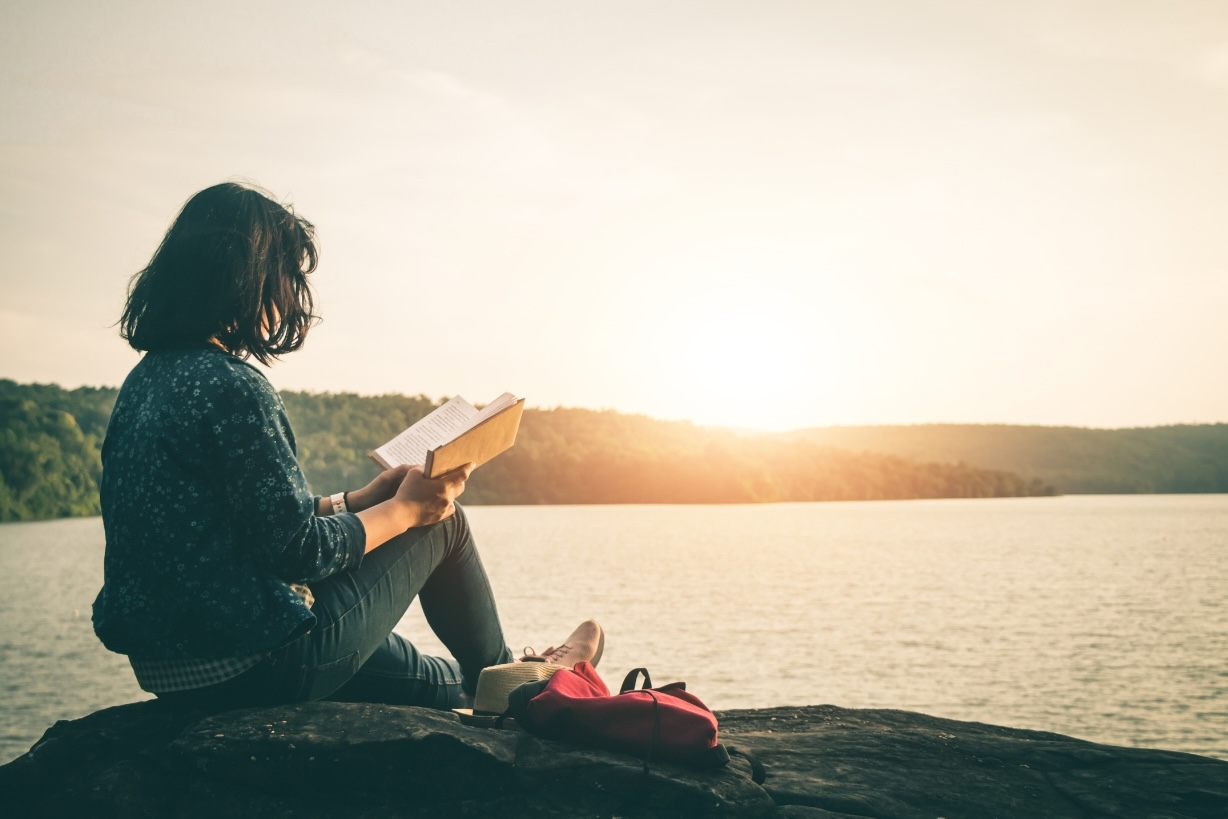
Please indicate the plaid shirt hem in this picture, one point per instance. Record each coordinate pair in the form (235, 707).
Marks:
(165, 676)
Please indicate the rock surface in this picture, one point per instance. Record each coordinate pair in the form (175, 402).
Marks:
(360, 760)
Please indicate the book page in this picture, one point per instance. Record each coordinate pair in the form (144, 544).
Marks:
(493, 408)
(441, 426)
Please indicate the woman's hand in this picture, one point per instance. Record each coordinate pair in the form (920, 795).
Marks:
(431, 500)
(416, 501)
(379, 490)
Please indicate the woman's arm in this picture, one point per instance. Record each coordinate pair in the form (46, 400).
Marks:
(267, 493)
(400, 499)
(379, 490)
(270, 509)
(418, 501)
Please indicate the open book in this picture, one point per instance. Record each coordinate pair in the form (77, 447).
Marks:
(455, 434)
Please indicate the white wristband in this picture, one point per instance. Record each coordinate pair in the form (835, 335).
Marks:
(338, 502)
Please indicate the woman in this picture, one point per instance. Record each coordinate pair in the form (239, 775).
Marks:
(226, 582)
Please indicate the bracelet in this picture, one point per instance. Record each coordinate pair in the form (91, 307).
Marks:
(345, 498)
(338, 502)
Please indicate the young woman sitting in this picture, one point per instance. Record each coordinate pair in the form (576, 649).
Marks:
(227, 582)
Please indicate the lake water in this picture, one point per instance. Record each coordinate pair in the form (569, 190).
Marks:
(1100, 617)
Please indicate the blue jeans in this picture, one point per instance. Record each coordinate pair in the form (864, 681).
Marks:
(352, 653)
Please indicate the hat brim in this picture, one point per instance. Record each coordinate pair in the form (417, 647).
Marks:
(467, 717)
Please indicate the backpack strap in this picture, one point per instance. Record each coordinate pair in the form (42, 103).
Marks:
(757, 773)
(632, 678)
(656, 721)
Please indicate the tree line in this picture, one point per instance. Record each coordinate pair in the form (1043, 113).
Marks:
(50, 462)
(1180, 458)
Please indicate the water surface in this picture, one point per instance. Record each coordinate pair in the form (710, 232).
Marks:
(1102, 617)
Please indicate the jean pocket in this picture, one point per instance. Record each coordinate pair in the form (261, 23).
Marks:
(326, 678)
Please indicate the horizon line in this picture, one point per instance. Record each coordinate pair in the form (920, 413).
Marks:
(738, 429)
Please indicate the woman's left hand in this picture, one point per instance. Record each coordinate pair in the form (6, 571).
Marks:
(379, 490)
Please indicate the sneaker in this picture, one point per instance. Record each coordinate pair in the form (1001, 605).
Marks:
(585, 643)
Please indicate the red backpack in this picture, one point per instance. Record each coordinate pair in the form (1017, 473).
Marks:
(666, 723)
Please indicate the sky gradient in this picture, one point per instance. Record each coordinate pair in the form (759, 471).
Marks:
(772, 215)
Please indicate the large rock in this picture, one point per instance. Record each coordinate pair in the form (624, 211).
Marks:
(357, 760)
(900, 764)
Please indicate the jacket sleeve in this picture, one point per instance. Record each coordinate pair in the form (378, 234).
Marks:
(271, 510)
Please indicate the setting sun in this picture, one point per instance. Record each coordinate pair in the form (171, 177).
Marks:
(755, 338)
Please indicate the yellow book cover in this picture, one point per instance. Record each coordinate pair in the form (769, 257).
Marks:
(455, 434)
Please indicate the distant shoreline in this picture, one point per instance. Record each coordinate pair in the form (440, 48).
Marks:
(50, 462)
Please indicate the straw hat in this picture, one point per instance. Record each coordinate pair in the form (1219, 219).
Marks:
(496, 682)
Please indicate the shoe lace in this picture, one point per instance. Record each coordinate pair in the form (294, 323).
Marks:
(548, 655)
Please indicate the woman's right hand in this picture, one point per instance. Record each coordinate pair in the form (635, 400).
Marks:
(418, 501)
(430, 500)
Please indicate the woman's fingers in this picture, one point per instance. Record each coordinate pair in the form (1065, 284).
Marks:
(434, 496)
(383, 487)
(455, 480)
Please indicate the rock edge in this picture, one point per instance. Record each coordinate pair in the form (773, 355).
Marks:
(328, 759)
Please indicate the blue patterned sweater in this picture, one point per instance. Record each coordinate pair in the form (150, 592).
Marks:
(207, 514)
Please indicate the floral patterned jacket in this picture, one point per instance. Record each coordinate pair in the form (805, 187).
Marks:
(207, 514)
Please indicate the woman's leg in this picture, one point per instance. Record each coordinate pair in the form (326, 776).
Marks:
(398, 674)
(356, 612)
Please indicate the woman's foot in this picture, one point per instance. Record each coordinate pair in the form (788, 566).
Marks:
(585, 643)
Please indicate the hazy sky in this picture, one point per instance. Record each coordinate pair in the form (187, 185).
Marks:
(757, 213)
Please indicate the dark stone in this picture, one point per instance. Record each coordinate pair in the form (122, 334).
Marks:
(318, 760)
(871, 763)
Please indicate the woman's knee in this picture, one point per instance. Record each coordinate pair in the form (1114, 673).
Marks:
(460, 538)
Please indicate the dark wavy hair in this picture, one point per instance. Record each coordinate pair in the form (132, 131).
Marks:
(232, 268)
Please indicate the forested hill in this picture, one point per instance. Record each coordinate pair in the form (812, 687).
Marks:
(49, 449)
(50, 440)
(584, 456)
(1179, 459)
(50, 465)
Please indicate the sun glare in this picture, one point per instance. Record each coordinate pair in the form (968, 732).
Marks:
(757, 347)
